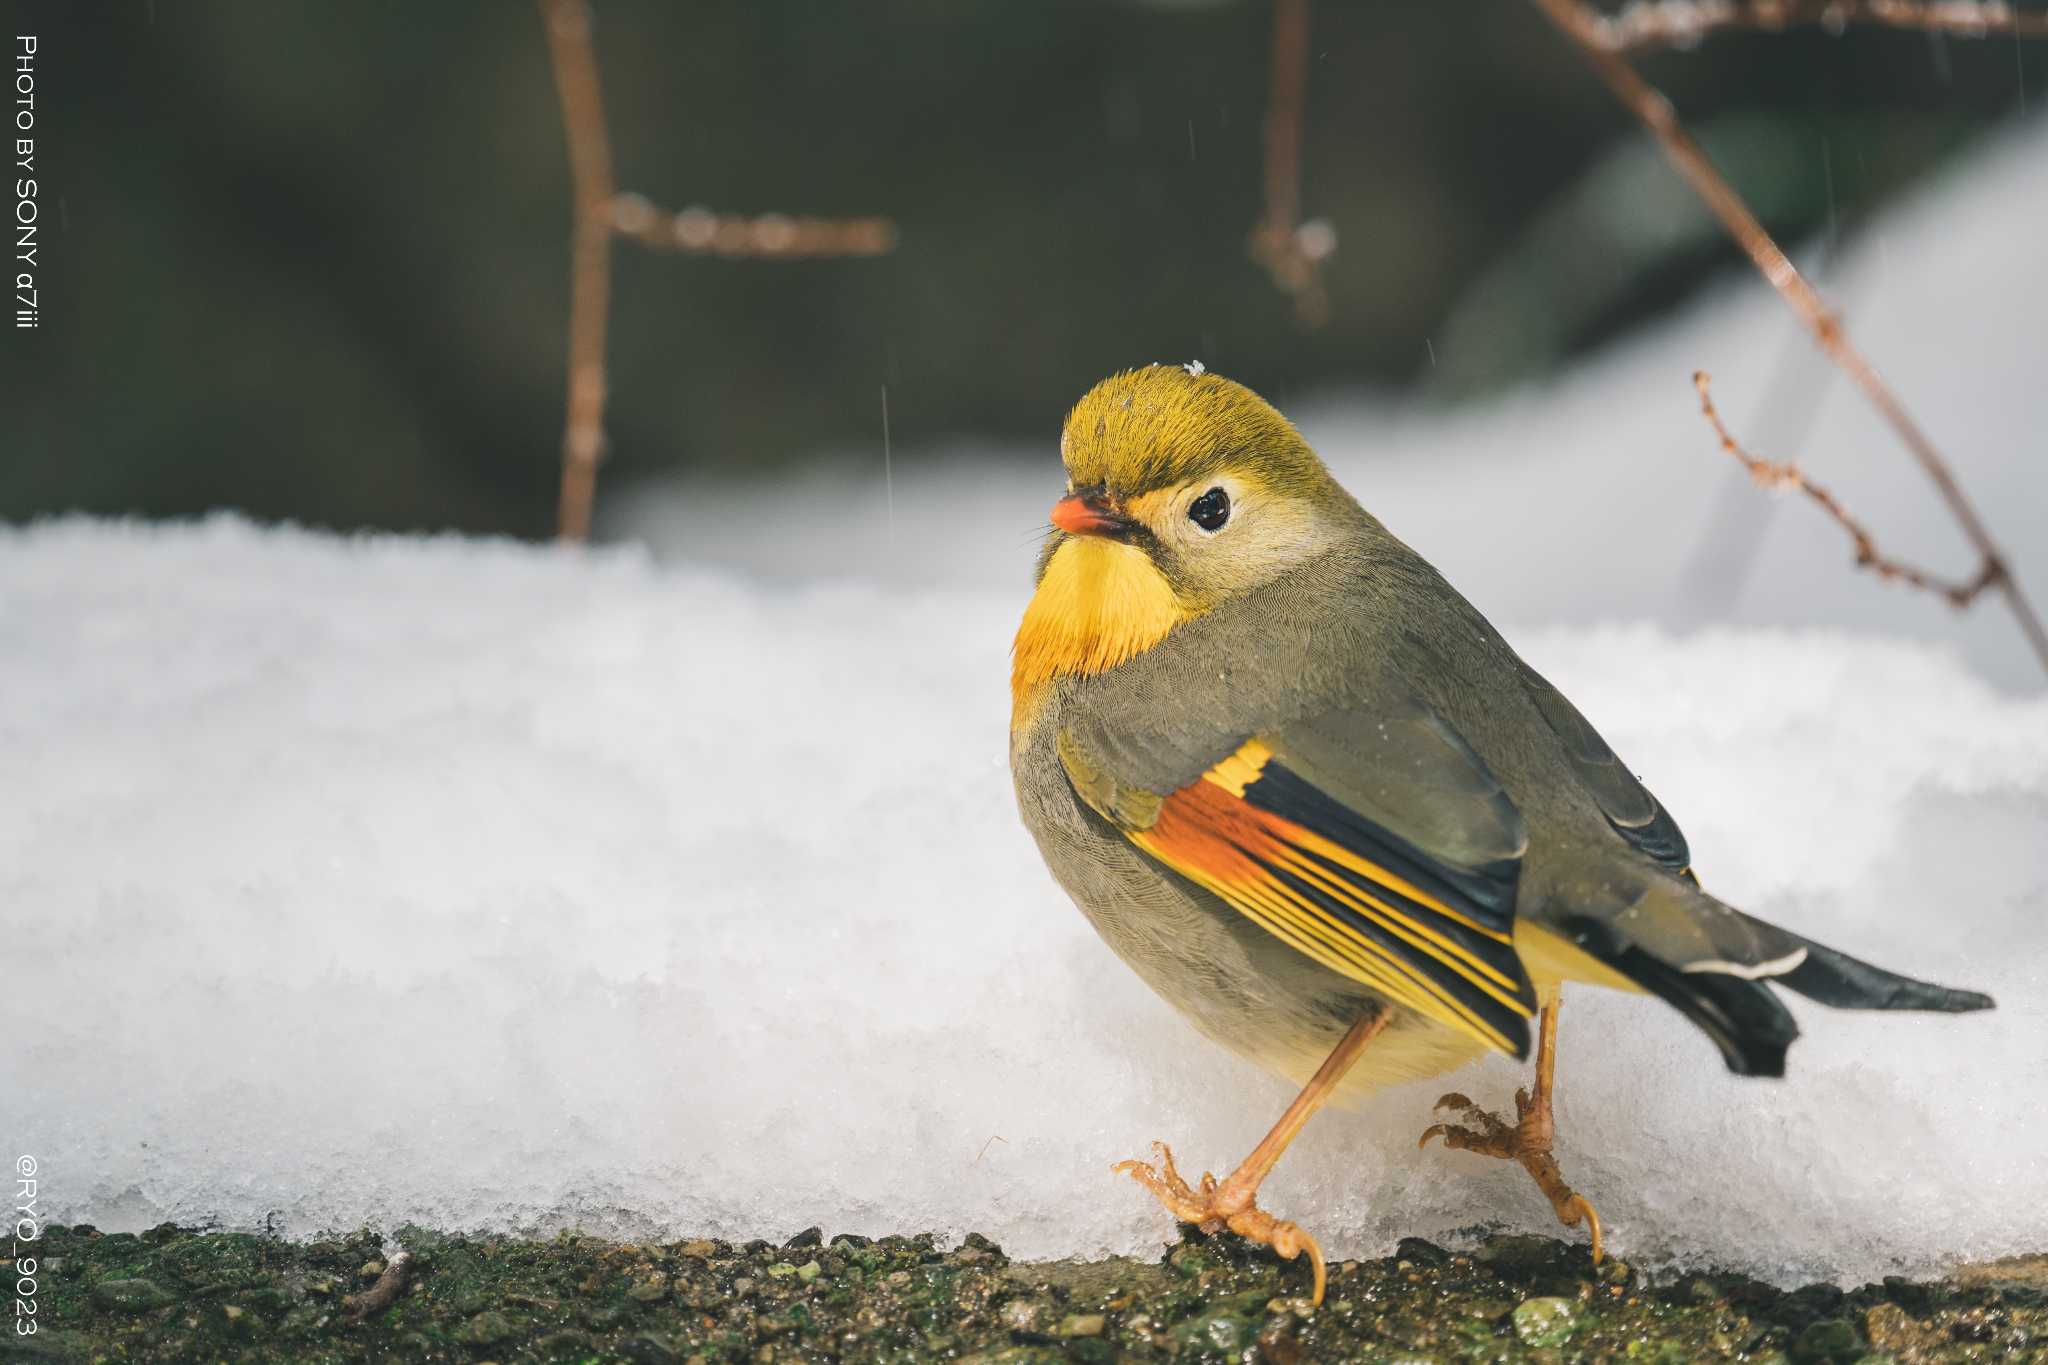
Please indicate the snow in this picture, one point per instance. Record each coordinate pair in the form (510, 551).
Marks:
(493, 886)
(486, 886)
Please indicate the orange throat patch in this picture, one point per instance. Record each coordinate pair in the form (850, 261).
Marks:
(1099, 603)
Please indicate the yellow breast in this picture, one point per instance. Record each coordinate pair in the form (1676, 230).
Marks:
(1099, 603)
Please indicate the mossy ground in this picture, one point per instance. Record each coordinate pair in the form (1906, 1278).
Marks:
(178, 1295)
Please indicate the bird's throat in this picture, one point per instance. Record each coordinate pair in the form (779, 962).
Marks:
(1099, 603)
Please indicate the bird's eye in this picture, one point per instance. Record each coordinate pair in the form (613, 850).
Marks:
(1210, 510)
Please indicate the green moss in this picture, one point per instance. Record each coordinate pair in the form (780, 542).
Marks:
(175, 1295)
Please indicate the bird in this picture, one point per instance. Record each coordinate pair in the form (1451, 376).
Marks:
(1315, 800)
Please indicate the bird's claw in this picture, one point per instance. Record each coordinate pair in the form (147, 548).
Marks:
(1171, 1189)
(1493, 1137)
(1528, 1142)
(1214, 1207)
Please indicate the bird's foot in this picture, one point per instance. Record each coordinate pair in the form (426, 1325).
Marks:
(1212, 1207)
(1528, 1142)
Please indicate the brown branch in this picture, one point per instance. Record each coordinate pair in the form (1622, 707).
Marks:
(1291, 251)
(590, 257)
(1581, 25)
(384, 1292)
(1684, 23)
(600, 211)
(1774, 474)
(772, 236)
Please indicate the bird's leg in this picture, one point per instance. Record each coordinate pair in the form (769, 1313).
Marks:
(1233, 1203)
(1528, 1141)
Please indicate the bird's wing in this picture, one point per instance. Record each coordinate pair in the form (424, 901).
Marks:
(1377, 844)
(1626, 802)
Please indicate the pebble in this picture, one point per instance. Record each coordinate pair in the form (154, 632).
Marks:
(302, 1321)
(1224, 1331)
(1082, 1325)
(1417, 1251)
(1545, 1321)
(130, 1296)
(1828, 1339)
(1520, 1252)
(1892, 1328)
(486, 1329)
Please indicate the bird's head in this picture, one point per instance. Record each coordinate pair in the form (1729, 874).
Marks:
(1184, 490)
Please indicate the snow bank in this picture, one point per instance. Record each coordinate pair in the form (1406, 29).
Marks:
(1603, 496)
(352, 880)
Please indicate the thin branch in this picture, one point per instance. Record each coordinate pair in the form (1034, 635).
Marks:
(1581, 24)
(382, 1294)
(1685, 23)
(771, 236)
(1786, 474)
(590, 268)
(1291, 251)
(600, 211)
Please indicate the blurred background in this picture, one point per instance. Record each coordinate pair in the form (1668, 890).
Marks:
(309, 260)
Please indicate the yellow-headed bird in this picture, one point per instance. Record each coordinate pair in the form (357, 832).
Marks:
(1305, 790)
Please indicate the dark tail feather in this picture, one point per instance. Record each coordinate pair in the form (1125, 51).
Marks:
(1748, 1023)
(1738, 1011)
(1841, 981)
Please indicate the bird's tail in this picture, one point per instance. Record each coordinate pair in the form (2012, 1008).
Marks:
(1716, 966)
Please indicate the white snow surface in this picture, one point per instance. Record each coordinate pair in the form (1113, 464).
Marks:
(500, 887)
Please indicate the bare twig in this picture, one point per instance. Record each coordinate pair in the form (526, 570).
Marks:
(601, 211)
(772, 236)
(1291, 251)
(1786, 474)
(1581, 24)
(1683, 23)
(590, 250)
(384, 1292)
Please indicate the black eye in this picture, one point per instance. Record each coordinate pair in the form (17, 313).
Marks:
(1210, 510)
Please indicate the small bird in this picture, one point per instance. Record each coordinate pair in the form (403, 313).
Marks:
(1314, 799)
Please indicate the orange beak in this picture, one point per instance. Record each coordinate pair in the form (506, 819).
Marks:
(1087, 514)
